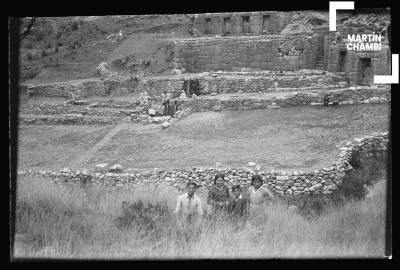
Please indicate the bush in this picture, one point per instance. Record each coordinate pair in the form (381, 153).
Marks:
(29, 56)
(151, 219)
(59, 43)
(28, 46)
(58, 35)
(56, 49)
(30, 73)
(74, 26)
(43, 53)
(38, 35)
(353, 185)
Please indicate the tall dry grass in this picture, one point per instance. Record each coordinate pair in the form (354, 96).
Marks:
(66, 221)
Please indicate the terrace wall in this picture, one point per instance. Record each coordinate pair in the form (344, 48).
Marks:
(266, 22)
(262, 52)
(323, 181)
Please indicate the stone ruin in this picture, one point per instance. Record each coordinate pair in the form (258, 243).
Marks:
(229, 62)
(252, 51)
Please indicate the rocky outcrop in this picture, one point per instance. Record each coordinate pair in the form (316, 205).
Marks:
(295, 29)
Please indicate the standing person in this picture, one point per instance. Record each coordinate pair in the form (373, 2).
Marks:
(176, 106)
(171, 109)
(165, 102)
(258, 197)
(218, 194)
(237, 205)
(189, 212)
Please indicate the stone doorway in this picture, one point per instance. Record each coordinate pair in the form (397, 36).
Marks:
(342, 61)
(208, 27)
(227, 26)
(364, 71)
(245, 24)
(191, 87)
(266, 23)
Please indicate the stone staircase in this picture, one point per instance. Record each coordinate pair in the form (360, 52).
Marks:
(319, 63)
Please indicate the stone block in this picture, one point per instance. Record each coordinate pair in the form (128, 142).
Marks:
(116, 168)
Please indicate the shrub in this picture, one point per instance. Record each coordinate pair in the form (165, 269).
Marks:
(28, 46)
(29, 56)
(59, 43)
(151, 219)
(58, 35)
(48, 45)
(43, 53)
(56, 49)
(74, 26)
(30, 73)
(353, 185)
(38, 35)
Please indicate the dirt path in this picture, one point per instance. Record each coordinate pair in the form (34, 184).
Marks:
(104, 141)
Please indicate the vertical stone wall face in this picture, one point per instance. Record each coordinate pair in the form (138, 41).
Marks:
(380, 64)
(268, 53)
(231, 83)
(81, 88)
(275, 24)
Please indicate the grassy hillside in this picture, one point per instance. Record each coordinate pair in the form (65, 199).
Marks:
(66, 48)
(67, 221)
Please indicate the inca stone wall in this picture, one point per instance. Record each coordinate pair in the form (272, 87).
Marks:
(366, 95)
(133, 112)
(246, 82)
(268, 22)
(261, 52)
(380, 61)
(322, 181)
(78, 88)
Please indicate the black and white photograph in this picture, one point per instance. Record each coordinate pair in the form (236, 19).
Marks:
(257, 134)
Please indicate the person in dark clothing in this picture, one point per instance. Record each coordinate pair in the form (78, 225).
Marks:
(218, 194)
(237, 205)
(171, 109)
(166, 107)
(177, 107)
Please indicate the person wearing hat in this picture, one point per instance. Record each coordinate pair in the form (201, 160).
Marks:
(258, 197)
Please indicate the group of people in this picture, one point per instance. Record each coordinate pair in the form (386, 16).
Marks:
(238, 206)
(168, 107)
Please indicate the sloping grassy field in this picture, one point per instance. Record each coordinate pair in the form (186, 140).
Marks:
(288, 138)
(55, 221)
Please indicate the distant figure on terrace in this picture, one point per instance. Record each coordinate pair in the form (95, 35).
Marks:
(258, 197)
(177, 106)
(165, 103)
(218, 194)
(237, 205)
(171, 109)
